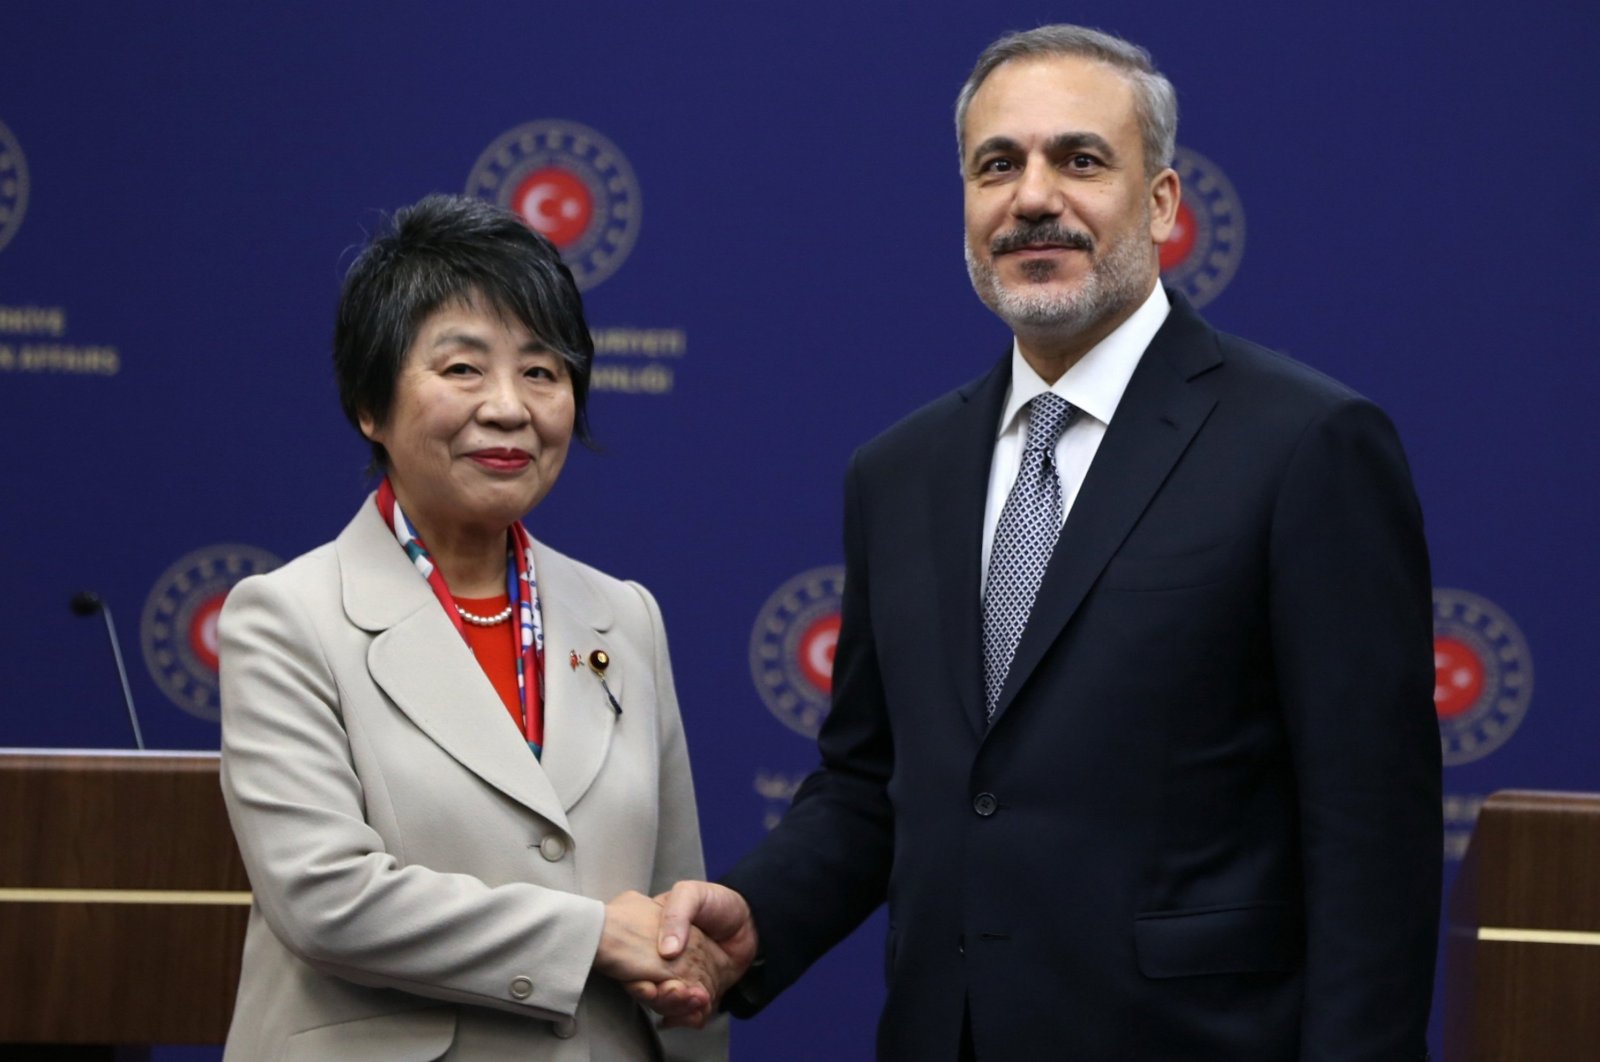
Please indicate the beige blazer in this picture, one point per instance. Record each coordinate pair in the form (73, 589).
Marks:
(424, 888)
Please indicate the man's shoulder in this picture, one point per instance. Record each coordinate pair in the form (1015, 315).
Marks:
(913, 434)
(1267, 367)
(1199, 352)
(1274, 383)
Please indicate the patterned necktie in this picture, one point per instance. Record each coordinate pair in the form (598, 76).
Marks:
(1023, 541)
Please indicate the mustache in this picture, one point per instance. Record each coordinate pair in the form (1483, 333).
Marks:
(1042, 232)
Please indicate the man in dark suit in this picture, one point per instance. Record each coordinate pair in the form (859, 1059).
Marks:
(1132, 721)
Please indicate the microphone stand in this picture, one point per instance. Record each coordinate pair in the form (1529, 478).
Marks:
(87, 602)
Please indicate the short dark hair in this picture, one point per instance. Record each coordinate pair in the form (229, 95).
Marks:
(1155, 100)
(450, 249)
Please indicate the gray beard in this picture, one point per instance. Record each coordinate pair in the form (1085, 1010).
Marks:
(1116, 280)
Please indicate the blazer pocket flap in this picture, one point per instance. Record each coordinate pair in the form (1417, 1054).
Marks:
(1259, 938)
(404, 1036)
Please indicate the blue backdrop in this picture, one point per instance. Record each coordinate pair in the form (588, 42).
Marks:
(766, 204)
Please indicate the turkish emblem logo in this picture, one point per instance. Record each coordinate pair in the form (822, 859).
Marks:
(1483, 675)
(13, 186)
(1203, 252)
(791, 648)
(571, 185)
(178, 630)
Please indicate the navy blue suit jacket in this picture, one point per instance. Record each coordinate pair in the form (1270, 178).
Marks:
(1205, 823)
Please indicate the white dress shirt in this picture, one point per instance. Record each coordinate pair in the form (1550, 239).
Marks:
(1093, 385)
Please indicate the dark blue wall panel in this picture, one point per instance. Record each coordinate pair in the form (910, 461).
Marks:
(181, 186)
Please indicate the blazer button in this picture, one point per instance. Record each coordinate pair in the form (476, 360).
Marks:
(553, 848)
(521, 988)
(985, 804)
(566, 1028)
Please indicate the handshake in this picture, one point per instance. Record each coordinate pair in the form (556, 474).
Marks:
(678, 953)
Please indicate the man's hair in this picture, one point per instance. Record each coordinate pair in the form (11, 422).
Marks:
(1155, 100)
(442, 250)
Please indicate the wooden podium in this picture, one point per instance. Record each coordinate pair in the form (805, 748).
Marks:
(1522, 958)
(122, 901)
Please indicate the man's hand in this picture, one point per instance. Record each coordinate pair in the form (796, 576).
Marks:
(683, 987)
(628, 952)
(696, 909)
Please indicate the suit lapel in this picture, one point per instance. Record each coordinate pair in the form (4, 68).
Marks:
(1159, 414)
(962, 486)
(422, 664)
(579, 718)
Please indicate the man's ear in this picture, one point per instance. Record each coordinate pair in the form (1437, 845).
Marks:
(1165, 195)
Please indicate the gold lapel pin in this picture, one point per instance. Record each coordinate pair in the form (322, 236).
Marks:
(599, 660)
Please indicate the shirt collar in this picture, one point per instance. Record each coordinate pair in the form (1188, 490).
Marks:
(1095, 383)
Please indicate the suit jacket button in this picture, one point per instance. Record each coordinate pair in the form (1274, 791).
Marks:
(553, 848)
(985, 804)
(521, 987)
(566, 1028)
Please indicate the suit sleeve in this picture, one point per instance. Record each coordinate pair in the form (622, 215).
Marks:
(322, 878)
(678, 851)
(1351, 621)
(825, 867)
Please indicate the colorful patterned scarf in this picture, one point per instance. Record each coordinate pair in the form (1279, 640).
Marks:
(521, 587)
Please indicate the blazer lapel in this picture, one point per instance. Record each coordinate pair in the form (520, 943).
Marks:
(420, 661)
(962, 483)
(1159, 414)
(579, 716)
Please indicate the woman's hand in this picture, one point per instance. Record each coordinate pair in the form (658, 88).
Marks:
(684, 988)
(692, 908)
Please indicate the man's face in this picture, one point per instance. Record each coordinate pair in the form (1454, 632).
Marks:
(1062, 225)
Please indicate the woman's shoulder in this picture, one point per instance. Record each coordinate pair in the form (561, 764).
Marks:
(316, 574)
(575, 583)
(306, 579)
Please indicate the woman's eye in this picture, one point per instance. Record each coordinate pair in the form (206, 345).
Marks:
(541, 372)
(460, 368)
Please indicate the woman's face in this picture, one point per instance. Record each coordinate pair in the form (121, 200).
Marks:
(482, 417)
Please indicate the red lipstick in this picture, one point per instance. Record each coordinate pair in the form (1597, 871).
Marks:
(502, 459)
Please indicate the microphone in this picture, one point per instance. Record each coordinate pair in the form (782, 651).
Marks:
(87, 603)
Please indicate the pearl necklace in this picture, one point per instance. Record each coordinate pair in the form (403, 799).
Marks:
(484, 621)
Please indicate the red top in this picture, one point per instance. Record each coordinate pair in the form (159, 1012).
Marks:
(496, 649)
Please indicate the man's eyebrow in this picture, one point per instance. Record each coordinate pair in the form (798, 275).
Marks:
(995, 144)
(1062, 143)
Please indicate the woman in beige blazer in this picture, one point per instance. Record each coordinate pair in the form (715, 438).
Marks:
(453, 756)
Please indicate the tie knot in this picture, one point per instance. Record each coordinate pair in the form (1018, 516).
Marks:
(1047, 418)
